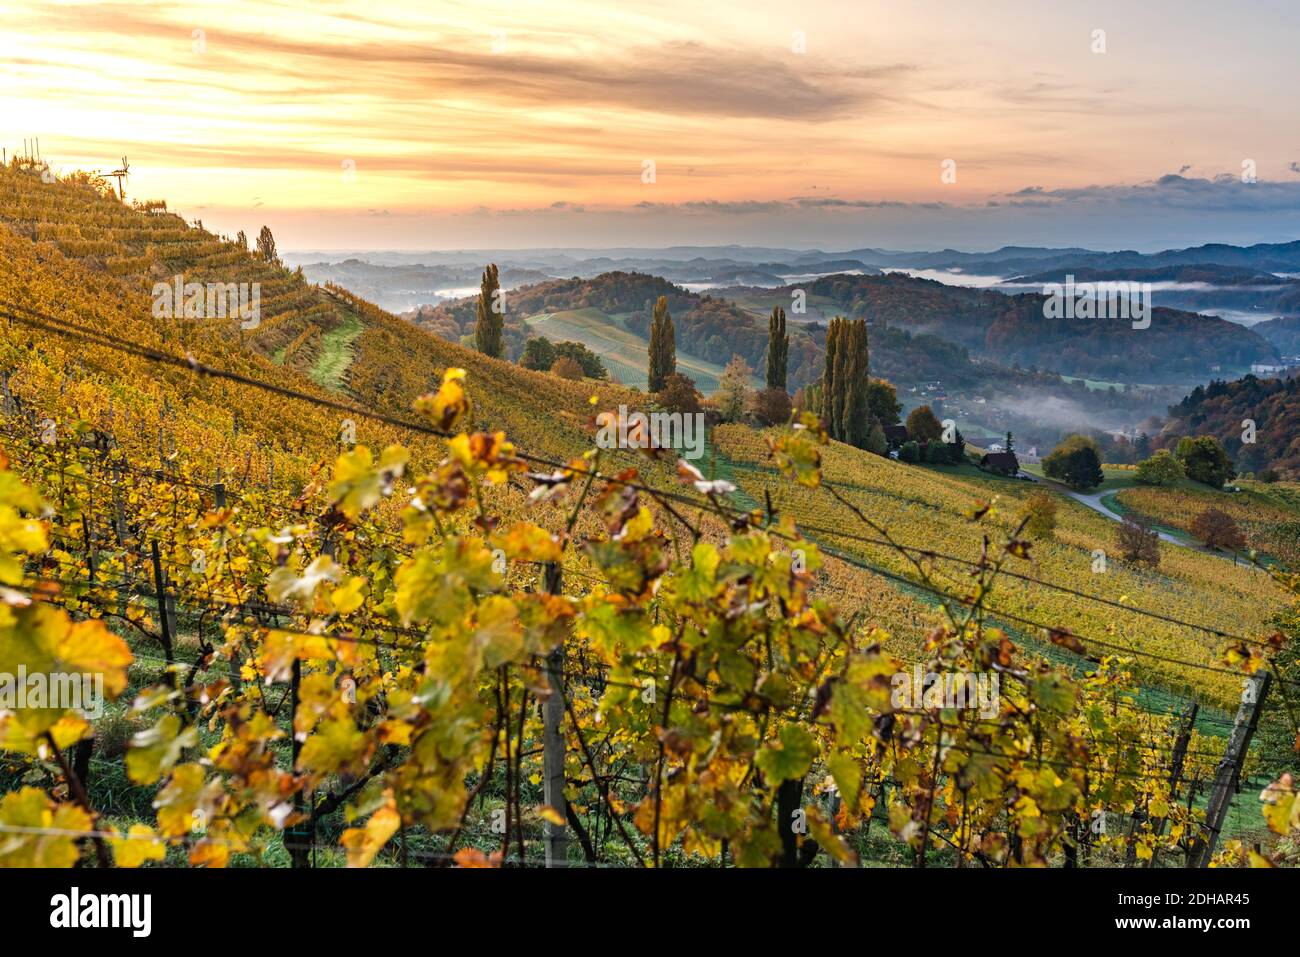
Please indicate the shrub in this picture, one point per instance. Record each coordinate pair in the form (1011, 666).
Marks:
(773, 406)
(1040, 510)
(1163, 468)
(910, 452)
(567, 368)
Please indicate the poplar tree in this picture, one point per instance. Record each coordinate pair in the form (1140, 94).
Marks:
(663, 346)
(830, 405)
(266, 246)
(856, 417)
(846, 382)
(778, 349)
(491, 318)
(842, 352)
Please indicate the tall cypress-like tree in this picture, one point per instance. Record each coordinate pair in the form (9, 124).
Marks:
(846, 382)
(856, 417)
(778, 349)
(830, 407)
(842, 352)
(663, 346)
(491, 316)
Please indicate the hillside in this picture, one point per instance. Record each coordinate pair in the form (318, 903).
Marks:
(73, 251)
(926, 507)
(1267, 513)
(1010, 330)
(1023, 260)
(708, 328)
(622, 351)
(1284, 333)
(324, 654)
(1220, 408)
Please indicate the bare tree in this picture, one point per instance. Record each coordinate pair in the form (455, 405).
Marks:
(1138, 542)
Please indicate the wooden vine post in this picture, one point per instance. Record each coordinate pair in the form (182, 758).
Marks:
(557, 835)
(1228, 772)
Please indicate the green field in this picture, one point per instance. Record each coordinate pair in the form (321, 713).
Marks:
(336, 353)
(622, 351)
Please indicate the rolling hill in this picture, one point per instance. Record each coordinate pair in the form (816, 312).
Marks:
(622, 351)
(349, 649)
(1221, 408)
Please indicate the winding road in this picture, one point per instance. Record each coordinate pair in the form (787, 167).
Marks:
(1093, 500)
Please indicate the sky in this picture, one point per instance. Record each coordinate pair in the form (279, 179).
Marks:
(810, 124)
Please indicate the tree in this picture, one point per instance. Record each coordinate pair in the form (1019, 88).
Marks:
(1011, 445)
(567, 368)
(266, 247)
(1138, 542)
(809, 398)
(1076, 462)
(876, 441)
(733, 393)
(241, 240)
(923, 425)
(1218, 530)
(1161, 469)
(491, 314)
(680, 395)
(910, 452)
(829, 407)
(846, 381)
(778, 349)
(882, 399)
(539, 353)
(663, 346)
(856, 416)
(592, 367)
(1204, 460)
(957, 449)
(773, 406)
(1040, 510)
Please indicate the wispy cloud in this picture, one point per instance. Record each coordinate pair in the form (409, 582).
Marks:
(1222, 192)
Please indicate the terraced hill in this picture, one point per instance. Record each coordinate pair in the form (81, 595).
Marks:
(74, 251)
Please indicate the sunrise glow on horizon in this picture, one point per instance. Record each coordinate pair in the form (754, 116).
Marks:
(411, 125)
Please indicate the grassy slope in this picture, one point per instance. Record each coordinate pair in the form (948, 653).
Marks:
(623, 352)
(336, 353)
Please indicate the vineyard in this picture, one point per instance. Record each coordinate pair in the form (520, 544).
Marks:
(358, 596)
(622, 352)
(1269, 516)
